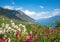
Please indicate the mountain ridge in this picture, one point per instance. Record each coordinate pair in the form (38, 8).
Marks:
(19, 15)
(48, 21)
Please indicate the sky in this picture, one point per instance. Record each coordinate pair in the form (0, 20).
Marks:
(36, 9)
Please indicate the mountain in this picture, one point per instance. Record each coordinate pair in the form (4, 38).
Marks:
(15, 14)
(48, 20)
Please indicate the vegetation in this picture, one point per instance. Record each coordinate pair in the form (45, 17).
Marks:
(58, 23)
(12, 30)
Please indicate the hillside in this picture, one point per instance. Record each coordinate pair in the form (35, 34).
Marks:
(12, 30)
(15, 14)
(48, 21)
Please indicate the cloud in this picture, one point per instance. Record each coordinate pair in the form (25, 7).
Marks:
(19, 8)
(57, 9)
(37, 15)
(43, 14)
(56, 12)
(30, 13)
(27, 12)
(8, 7)
(41, 6)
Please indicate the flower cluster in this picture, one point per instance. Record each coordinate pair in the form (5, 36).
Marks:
(11, 31)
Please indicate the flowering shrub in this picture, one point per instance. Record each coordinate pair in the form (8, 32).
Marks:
(13, 31)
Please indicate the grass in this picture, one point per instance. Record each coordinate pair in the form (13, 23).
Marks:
(26, 32)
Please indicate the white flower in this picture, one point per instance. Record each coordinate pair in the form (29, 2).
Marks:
(2, 24)
(23, 26)
(24, 29)
(4, 30)
(1, 31)
(8, 39)
(19, 29)
(14, 30)
(7, 29)
(20, 24)
(7, 25)
(11, 21)
(30, 32)
(3, 18)
(16, 26)
(13, 24)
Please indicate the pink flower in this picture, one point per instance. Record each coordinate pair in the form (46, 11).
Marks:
(17, 32)
(4, 39)
(46, 34)
(1, 39)
(28, 38)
